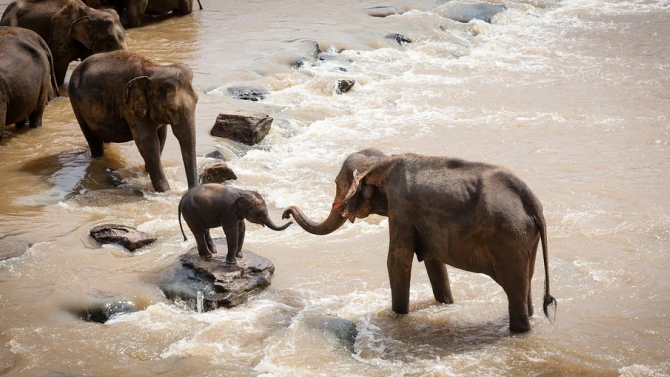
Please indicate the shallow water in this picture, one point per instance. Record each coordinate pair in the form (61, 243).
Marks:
(572, 96)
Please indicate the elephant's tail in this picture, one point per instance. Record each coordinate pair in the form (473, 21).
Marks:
(179, 216)
(200, 5)
(548, 299)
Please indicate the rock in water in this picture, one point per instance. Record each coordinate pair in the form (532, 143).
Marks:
(382, 11)
(343, 330)
(215, 154)
(104, 311)
(245, 127)
(467, 12)
(210, 284)
(216, 172)
(247, 93)
(13, 248)
(399, 38)
(344, 86)
(128, 237)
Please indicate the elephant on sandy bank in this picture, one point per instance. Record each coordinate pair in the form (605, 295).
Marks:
(213, 205)
(26, 77)
(72, 30)
(134, 9)
(473, 216)
(121, 96)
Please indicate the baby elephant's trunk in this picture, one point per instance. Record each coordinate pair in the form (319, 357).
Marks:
(272, 225)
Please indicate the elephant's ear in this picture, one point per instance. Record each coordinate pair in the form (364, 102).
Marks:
(60, 30)
(372, 176)
(242, 206)
(80, 31)
(136, 95)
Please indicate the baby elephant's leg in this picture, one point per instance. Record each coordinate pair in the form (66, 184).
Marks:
(210, 244)
(240, 238)
(231, 237)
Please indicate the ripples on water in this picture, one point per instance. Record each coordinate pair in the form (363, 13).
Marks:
(570, 95)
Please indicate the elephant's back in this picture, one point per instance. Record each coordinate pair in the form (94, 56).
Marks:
(32, 15)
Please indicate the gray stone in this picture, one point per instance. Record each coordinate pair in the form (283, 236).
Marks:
(128, 237)
(245, 127)
(216, 154)
(399, 38)
(210, 284)
(467, 12)
(104, 311)
(382, 11)
(341, 329)
(216, 172)
(343, 86)
(13, 248)
(248, 93)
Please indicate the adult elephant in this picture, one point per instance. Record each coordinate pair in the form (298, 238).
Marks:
(26, 78)
(133, 10)
(469, 215)
(71, 29)
(121, 96)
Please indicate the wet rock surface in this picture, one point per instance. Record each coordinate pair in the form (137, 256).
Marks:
(13, 248)
(341, 329)
(383, 11)
(125, 236)
(104, 311)
(216, 172)
(216, 154)
(247, 93)
(343, 86)
(467, 12)
(246, 127)
(205, 285)
(399, 38)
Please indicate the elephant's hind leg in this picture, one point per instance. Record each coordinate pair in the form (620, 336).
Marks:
(3, 117)
(515, 284)
(35, 118)
(439, 280)
(94, 142)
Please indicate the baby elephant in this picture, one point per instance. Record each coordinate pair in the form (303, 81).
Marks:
(211, 205)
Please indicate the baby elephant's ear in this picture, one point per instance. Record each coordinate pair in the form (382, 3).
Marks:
(242, 206)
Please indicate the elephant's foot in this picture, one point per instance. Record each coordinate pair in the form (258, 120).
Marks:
(231, 261)
(206, 256)
(240, 254)
(21, 123)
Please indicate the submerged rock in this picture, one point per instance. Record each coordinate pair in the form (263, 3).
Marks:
(104, 311)
(401, 39)
(245, 127)
(308, 52)
(210, 284)
(128, 237)
(216, 154)
(216, 172)
(343, 86)
(13, 248)
(467, 12)
(248, 93)
(341, 329)
(382, 11)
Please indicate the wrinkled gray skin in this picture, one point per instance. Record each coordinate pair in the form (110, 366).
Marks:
(212, 205)
(473, 216)
(133, 10)
(120, 96)
(26, 78)
(72, 30)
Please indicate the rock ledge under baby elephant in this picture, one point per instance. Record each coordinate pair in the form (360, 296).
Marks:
(128, 237)
(246, 127)
(206, 285)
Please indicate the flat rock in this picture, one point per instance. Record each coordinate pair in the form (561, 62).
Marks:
(248, 93)
(467, 12)
(13, 248)
(382, 11)
(128, 237)
(210, 284)
(102, 312)
(216, 172)
(341, 329)
(399, 38)
(343, 86)
(246, 127)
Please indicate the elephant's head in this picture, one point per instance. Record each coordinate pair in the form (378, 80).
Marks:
(166, 96)
(359, 192)
(96, 31)
(251, 206)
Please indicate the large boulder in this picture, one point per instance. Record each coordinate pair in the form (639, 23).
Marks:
(128, 237)
(205, 285)
(246, 127)
(216, 172)
(13, 248)
(467, 12)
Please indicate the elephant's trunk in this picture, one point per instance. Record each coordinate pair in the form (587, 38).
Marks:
(268, 222)
(329, 225)
(185, 133)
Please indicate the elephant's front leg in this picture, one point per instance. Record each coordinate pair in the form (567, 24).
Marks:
(232, 237)
(149, 145)
(134, 12)
(242, 228)
(439, 280)
(399, 264)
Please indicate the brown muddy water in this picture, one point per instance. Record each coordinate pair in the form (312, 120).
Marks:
(573, 96)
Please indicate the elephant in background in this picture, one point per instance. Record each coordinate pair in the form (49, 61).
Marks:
(213, 205)
(71, 29)
(472, 216)
(133, 10)
(121, 96)
(26, 78)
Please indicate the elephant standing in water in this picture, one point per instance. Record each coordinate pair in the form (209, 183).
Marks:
(71, 29)
(213, 205)
(134, 9)
(120, 96)
(473, 216)
(26, 77)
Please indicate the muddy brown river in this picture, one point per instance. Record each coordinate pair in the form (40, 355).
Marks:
(573, 96)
